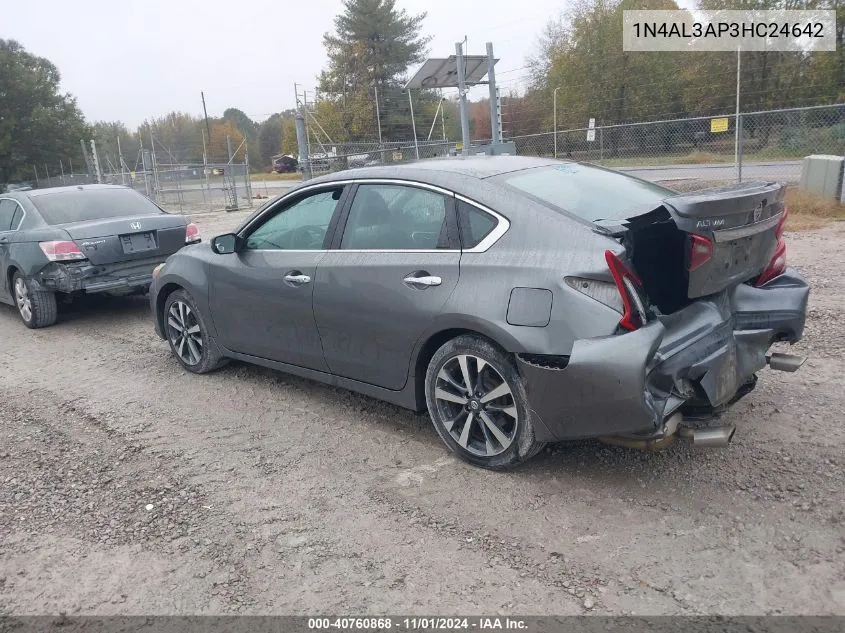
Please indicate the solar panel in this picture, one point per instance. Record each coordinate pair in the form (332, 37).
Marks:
(443, 72)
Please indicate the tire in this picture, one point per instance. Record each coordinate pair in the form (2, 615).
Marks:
(37, 307)
(196, 350)
(501, 432)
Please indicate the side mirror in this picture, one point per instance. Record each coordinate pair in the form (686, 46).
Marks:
(225, 244)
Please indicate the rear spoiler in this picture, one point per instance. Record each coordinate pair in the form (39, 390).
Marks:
(708, 210)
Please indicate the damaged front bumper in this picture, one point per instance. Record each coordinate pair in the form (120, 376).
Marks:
(701, 358)
(90, 278)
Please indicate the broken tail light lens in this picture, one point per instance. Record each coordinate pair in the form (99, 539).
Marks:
(61, 251)
(700, 252)
(628, 285)
(777, 264)
(192, 234)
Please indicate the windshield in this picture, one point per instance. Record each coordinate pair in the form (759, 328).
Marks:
(589, 192)
(79, 205)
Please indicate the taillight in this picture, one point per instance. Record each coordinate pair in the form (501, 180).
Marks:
(777, 264)
(700, 252)
(61, 251)
(192, 233)
(628, 284)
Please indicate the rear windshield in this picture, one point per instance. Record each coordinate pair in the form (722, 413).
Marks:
(589, 192)
(77, 205)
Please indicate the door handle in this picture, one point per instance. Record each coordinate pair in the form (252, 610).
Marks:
(298, 280)
(423, 282)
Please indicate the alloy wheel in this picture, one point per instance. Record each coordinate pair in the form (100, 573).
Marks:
(476, 405)
(23, 299)
(184, 332)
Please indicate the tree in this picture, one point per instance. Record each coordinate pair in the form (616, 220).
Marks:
(38, 124)
(218, 147)
(106, 135)
(289, 142)
(372, 46)
(269, 139)
(246, 126)
(178, 138)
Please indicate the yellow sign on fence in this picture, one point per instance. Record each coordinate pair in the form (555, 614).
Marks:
(718, 125)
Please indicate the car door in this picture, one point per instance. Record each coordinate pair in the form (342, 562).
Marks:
(11, 214)
(261, 295)
(391, 272)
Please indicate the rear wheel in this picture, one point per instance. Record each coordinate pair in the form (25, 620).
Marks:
(189, 338)
(37, 307)
(478, 404)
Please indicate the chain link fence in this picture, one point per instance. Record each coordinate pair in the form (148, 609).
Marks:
(177, 188)
(338, 156)
(770, 145)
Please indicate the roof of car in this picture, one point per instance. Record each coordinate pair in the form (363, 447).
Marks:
(471, 166)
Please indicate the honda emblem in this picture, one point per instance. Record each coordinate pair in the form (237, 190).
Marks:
(134, 225)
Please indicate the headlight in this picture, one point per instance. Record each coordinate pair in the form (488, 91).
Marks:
(157, 270)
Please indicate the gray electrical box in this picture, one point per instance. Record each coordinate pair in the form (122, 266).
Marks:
(822, 175)
(505, 148)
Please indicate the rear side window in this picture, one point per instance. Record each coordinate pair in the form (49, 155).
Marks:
(7, 213)
(79, 205)
(474, 224)
(17, 217)
(396, 217)
(589, 192)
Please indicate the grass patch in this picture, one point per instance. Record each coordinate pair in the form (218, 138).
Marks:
(271, 177)
(809, 211)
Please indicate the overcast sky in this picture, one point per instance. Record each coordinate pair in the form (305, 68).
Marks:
(132, 60)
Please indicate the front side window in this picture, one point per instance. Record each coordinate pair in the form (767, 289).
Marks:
(396, 217)
(300, 226)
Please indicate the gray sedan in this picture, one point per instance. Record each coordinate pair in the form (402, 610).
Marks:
(520, 301)
(86, 239)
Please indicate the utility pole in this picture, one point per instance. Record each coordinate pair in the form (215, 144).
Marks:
(205, 113)
(494, 96)
(304, 160)
(738, 124)
(462, 92)
(414, 125)
(378, 120)
(554, 107)
(96, 160)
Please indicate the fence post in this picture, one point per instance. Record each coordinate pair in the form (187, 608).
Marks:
(247, 177)
(304, 159)
(739, 143)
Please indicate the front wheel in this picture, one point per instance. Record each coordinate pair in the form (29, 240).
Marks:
(189, 338)
(478, 404)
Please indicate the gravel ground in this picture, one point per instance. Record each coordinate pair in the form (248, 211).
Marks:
(128, 486)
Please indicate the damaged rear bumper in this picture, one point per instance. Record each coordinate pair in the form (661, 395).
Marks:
(703, 357)
(88, 278)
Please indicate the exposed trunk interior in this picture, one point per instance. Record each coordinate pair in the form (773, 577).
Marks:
(737, 224)
(659, 252)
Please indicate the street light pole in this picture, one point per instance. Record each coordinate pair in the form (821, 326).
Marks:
(554, 106)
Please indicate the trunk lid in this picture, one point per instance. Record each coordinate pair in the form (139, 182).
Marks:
(115, 240)
(738, 223)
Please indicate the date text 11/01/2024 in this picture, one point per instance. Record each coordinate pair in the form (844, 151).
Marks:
(416, 623)
(687, 30)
